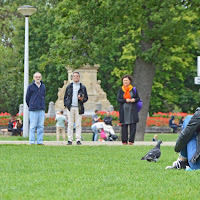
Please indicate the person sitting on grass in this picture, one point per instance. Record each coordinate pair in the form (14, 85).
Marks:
(188, 144)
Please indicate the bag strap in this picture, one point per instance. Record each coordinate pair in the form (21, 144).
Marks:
(134, 89)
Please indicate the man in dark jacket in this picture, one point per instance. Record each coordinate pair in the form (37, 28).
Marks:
(75, 97)
(172, 124)
(35, 99)
(108, 119)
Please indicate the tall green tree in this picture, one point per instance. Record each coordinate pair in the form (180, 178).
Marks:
(10, 61)
(167, 35)
(143, 35)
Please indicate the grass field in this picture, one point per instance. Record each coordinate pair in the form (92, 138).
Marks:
(91, 172)
(88, 137)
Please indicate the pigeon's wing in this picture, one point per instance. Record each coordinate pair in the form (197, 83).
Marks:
(152, 154)
(156, 152)
(148, 156)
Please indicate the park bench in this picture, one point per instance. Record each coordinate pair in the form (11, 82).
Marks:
(5, 132)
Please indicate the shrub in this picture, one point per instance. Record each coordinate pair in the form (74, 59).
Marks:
(4, 115)
(168, 115)
(113, 114)
(158, 119)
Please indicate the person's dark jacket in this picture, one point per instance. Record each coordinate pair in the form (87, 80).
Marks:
(185, 135)
(69, 94)
(108, 120)
(171, 121)
(121, 100)
(35, 97)
(10, 126)
(181, 121)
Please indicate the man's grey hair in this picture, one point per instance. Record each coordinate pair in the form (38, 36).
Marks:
(37, 73)
(76, 72)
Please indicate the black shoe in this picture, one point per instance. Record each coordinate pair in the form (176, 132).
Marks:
(69, 143)
(78, 143)
(178, 165)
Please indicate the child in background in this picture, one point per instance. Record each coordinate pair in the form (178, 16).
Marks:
(155, 138)
(60, 125)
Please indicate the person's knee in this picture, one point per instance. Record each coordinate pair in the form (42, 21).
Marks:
(40, 126)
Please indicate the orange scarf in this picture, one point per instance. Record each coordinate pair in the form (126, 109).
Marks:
(126, 91)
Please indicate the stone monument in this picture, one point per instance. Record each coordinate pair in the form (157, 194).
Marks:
(21, 106)
(51, 110)
(96, 95)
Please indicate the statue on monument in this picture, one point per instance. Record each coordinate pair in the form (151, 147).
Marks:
(100, 94)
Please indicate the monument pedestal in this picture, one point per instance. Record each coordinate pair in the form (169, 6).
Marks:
(96, 95)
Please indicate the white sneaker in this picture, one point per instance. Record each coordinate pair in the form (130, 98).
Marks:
(178, 165)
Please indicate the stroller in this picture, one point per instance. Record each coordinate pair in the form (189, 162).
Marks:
(110, 137)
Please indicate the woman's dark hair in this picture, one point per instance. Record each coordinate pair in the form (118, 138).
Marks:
(127, 76)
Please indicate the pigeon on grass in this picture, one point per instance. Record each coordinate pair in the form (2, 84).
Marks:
(154, 154)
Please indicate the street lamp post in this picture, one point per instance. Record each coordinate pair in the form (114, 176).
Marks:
(197, 78)
(27, 11)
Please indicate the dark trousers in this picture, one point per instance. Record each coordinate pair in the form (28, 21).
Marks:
(174, 127)
(93, 136)
(125, 132)
(16, 132)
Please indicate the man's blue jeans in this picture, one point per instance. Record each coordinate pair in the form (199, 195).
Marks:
(36, 122)
(95, 131)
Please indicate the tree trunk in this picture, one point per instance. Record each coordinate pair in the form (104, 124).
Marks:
(143, 75)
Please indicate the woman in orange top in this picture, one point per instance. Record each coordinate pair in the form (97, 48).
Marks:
(128, 114)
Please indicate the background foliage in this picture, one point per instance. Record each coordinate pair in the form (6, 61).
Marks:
(108, 33)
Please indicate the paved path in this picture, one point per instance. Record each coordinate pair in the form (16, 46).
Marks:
(89, 143)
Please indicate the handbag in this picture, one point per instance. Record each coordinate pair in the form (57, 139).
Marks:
(139, 103)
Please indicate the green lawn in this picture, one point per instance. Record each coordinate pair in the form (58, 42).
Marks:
(88, 137)
(92, 172)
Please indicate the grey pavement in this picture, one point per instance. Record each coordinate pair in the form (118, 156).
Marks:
(90, 143)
